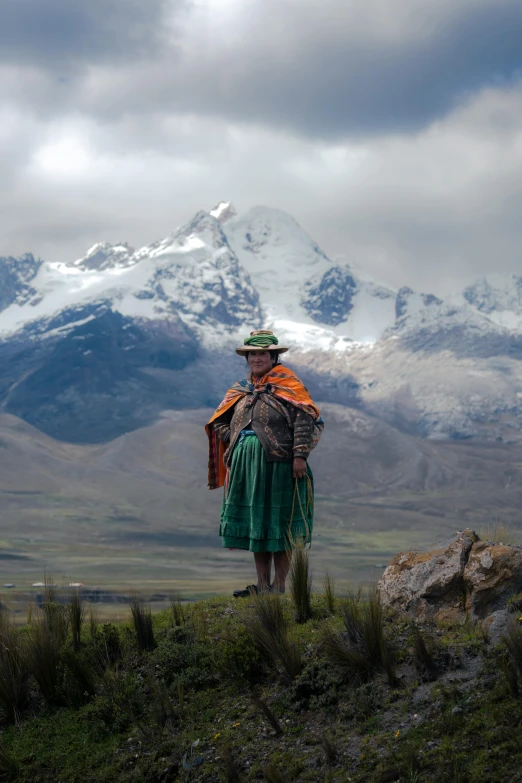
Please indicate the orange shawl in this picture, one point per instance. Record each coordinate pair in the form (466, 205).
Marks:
(283, 383)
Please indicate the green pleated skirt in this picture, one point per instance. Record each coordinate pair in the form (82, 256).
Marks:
(263, 510)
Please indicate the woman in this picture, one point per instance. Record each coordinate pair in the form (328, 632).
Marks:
(260, 437)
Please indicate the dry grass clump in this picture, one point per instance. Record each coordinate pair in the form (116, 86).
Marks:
(142, 622)
(301, 584)
(230, 765)
(267, 627)
(512, 641)
(423, 657)
(329, 592)
(44, 643)
(76, 611)
(14, 691)
(500, 533)
(93, 622)
(273, 775)
(43, 655)
(330, 748)
(263, 707)
(178, 612)
(363, 649)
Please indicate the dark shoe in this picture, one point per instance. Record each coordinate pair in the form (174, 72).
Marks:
(247, 592)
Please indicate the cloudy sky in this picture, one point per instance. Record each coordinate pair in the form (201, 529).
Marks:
(390, 129)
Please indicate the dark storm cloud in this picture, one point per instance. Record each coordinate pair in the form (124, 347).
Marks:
(329, 70)
(56, 33)
(333, 76)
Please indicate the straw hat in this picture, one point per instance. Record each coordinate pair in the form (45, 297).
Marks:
(266, 344)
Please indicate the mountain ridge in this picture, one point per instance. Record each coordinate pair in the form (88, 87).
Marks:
(102, 345)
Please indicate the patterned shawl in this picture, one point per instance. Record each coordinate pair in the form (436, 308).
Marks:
(279, 384)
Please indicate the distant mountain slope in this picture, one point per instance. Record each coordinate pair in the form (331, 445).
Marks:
(138, 504)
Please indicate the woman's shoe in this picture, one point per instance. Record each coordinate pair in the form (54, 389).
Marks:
(252, 590)
(247, 592)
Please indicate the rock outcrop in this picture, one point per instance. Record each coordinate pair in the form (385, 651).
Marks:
(461, 577)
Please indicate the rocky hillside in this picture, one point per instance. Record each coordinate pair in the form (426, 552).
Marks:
(332, 690)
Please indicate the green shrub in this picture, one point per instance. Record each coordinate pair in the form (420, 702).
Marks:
(238, 656)
(105, 646)
(118, 704)
(80, 674)
(181, 657)
(317, 687)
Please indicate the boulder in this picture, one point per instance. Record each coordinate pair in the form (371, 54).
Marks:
(461, 577)
(492, 574)
(429, 583)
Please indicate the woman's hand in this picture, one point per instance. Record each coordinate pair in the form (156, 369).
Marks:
(299, 467)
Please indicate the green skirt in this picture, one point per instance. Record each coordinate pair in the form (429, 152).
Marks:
(263, 510)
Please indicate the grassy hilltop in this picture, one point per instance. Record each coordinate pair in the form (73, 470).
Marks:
(320, 688)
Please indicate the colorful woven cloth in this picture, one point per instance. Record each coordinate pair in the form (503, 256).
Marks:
(280, 383)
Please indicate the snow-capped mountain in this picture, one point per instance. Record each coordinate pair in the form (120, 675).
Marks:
(193, 273)
(103, 255)
(500, 297)
(102, 344)
(16, 276)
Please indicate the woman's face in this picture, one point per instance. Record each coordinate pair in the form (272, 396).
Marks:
(260, 362)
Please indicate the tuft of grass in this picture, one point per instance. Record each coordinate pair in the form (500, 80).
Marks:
(330, 749)
(510, 673)
(142, 622)
(231, 768)
(514, 603)
(512, 641)
(329, 592)
(263, 707)
(267, 627)
(76, 611)
(14, 689)
(180, 692)
(50, 593)
(273, 775)
(500, 533)
(301, 584)
(423, 657)
(84, 672)
(43, 657)
(93, 622)
(9, 767)
(178, 612)
(364, 648)
(164, 713)
(56, 615)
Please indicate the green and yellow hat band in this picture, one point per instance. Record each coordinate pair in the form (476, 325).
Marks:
(261, 340)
